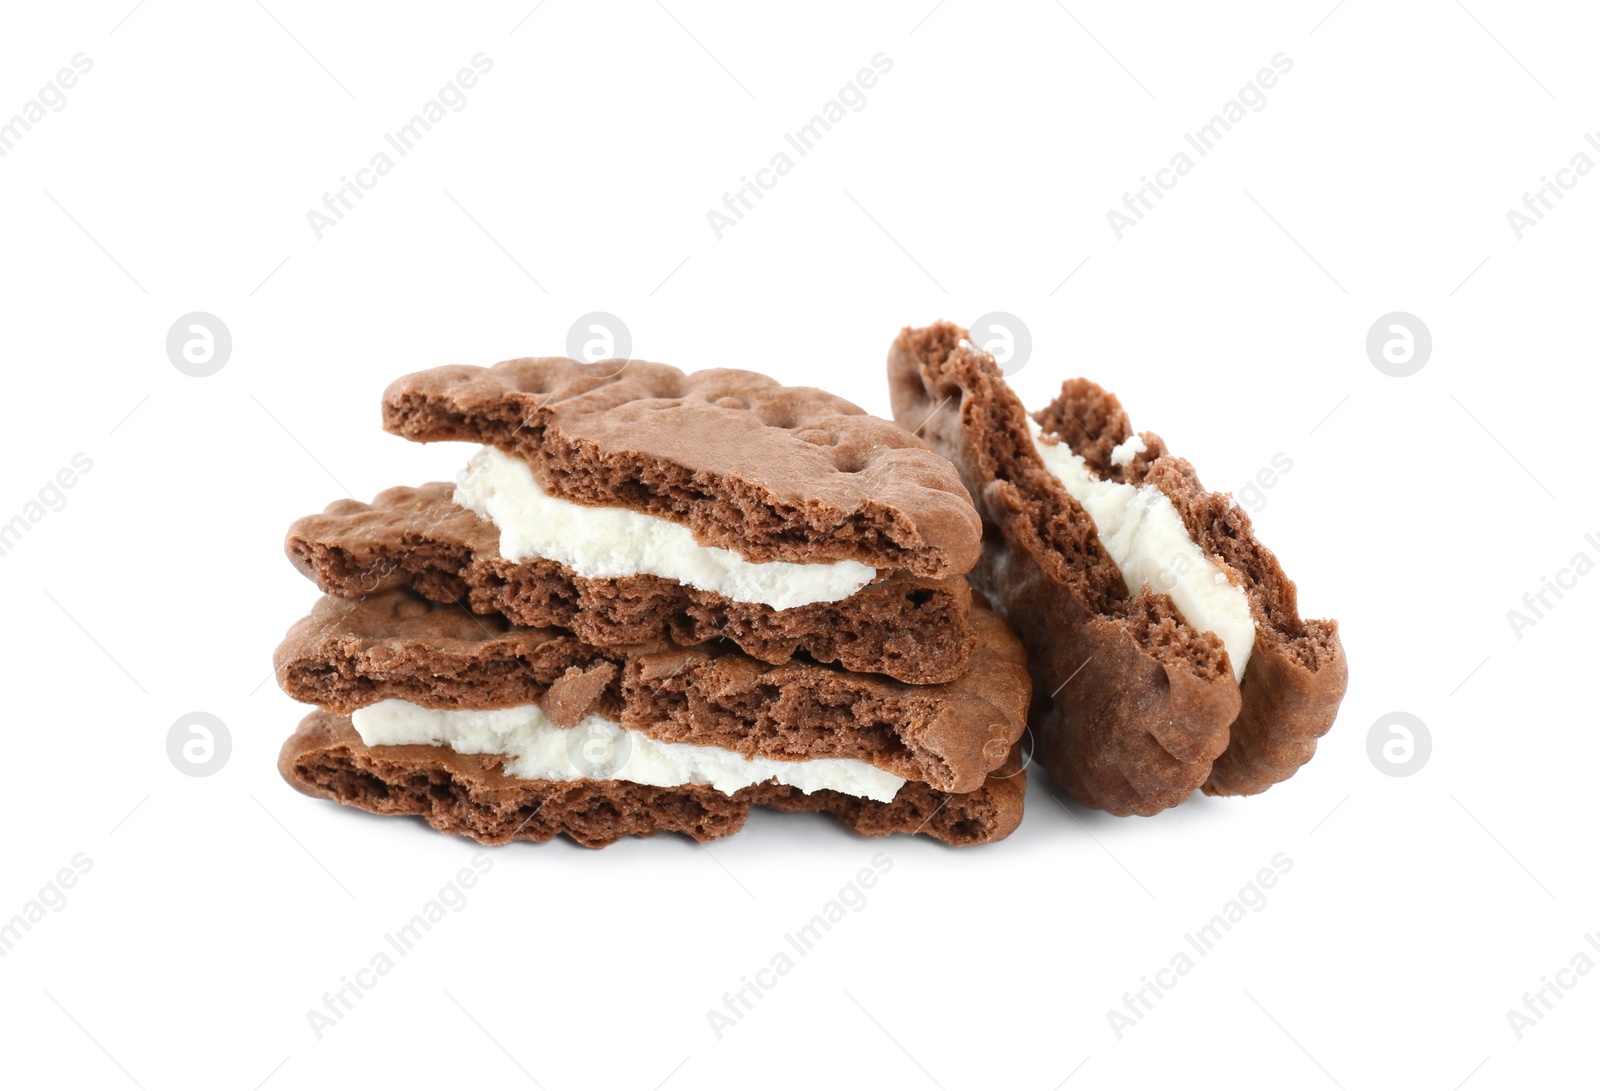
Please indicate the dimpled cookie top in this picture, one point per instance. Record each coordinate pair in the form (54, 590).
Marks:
(776, 473)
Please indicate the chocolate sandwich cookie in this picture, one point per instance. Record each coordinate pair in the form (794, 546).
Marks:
(770, 472)
(911, 627)
(397, 647)
(1166, 644)
(473, 795)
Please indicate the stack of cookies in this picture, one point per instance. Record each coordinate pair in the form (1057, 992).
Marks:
(651, 601)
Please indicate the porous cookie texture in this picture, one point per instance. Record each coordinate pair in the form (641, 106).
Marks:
(912, 628)
(471, 795)
(773, 472)
(351, 653)
(1134, 708)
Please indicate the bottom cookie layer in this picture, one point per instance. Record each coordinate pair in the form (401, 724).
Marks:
(469, 795)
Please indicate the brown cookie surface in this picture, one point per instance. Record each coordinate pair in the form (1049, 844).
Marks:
(1134, 708)
(913, 628)
(775, 473)
(1298, 672)
(470, 795)
(350, 653)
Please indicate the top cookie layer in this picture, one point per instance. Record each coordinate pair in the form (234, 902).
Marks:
(776, 473)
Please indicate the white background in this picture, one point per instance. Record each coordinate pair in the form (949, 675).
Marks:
(218, 910)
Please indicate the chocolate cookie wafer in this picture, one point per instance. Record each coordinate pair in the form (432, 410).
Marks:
(397, 648)
(910, 627)
(1166, 643)
(473, 795)
(772, 473)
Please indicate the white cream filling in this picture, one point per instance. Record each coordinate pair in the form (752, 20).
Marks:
(1146, 537)
(609, 542)
(1128, 450)
(598, 749)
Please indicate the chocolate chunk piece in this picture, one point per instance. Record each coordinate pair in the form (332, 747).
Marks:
(577, 693)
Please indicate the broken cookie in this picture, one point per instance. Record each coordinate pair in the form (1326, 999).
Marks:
(1166, 643)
